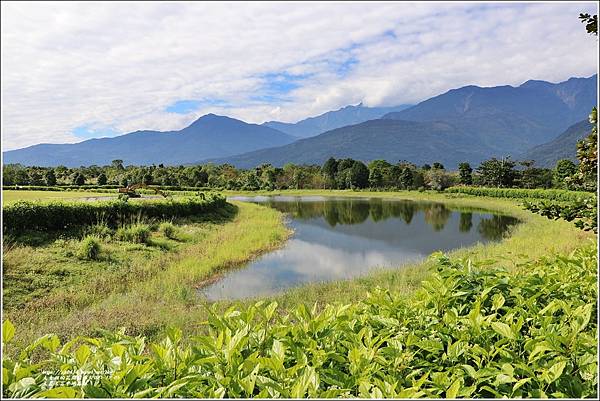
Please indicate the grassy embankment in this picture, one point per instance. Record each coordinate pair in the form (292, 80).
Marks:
(140, 286)
(145, 288)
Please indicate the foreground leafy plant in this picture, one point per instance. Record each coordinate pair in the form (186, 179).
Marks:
(468, 333)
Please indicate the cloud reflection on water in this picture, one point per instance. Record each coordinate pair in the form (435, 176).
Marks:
(341, 238)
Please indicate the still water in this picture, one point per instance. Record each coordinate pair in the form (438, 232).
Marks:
(340, 238)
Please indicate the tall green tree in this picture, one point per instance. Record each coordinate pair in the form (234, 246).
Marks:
(102, 179)
(118, 164)
(50, 178)
(564, 169)
(465, 173)
(359, 175)
(496, 173)
(586, 177)
(79, 179)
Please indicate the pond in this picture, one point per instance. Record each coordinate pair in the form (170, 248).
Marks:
(341, 238)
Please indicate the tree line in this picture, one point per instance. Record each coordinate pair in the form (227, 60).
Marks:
(333, 174)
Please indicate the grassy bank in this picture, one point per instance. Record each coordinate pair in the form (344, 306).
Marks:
(142, 287)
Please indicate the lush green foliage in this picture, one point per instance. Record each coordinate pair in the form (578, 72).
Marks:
(496, 173)
(465, 173)
(89, 248)
(468, 333)
(591, 23)
(519, 193)
(583, 212)
(533, 177)
(334, 174)
(96, 188)
(99, 230)
(53, 216)
(586, 177)
(438, 179)
(564, 168)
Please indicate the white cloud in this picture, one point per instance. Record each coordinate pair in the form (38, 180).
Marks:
(120, 65)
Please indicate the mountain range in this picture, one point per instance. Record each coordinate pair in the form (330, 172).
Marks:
(348, 115)
(386, 139)
(562, 147)
(478, 123)
(470, 123)
(209, 136)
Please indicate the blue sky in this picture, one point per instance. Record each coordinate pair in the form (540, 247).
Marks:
(73, 71)
(88, 132)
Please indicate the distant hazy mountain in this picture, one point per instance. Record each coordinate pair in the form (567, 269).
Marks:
(348, 115)
(563, 147)
(392, 140)
(209, 136)
(509, 119)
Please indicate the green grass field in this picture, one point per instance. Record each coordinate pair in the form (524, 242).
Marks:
(10, 196)
(146, 288)
(142, 287)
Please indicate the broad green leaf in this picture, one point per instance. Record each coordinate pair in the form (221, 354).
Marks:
(503, 329)
(470, 370)
(8, 331)
(453, 389)
(539, 349)
(497, 301)
(521, 383)
(82, 354)
(555, 371)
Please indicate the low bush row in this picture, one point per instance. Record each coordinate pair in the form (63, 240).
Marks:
(519, 193)
(468, 332)
(95, 187)
(55, 216)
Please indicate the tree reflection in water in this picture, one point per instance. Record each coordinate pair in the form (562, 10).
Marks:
(466, 222)
(357, 211)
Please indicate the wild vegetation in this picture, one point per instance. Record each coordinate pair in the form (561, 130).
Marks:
(469, 332)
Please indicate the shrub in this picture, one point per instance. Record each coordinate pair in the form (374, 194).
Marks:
(469, 333)
(583, 213)
(55, 216)
(137, 233)
(168, 229)
(89, 248)
(520, 193)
